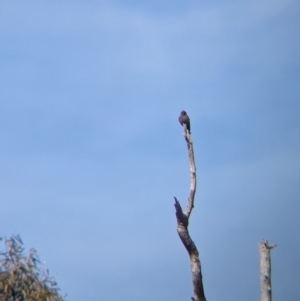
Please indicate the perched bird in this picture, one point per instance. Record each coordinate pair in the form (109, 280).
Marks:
(184, 118)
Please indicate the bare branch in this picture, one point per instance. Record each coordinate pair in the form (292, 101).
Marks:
(193, 184)
(183, 222)
(265, 270)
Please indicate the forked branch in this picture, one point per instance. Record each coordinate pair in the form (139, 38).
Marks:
(183, 222)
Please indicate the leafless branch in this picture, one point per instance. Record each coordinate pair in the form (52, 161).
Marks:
(183, 222)
(265, 270)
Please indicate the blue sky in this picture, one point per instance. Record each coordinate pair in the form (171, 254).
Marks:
(92, 153)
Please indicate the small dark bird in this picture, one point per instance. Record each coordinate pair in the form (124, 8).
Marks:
(184, 118)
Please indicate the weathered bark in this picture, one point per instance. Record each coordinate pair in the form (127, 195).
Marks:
(183, 222)
(265, 270)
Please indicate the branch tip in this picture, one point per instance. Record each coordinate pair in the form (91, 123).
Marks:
(266, 244)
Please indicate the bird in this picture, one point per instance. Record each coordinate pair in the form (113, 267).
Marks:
(184, 118)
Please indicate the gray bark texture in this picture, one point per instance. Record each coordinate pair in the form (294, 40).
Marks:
(265, 270)
(183, 222)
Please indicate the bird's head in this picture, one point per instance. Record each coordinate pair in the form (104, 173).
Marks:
(183, 112)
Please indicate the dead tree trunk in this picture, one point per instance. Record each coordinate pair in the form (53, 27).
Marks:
(265, 270)
(183, 222)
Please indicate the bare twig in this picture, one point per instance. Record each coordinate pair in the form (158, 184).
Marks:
(183, 222)
(193, 185)
(265, 270)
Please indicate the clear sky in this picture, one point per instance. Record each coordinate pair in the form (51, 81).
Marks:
(91, 151)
